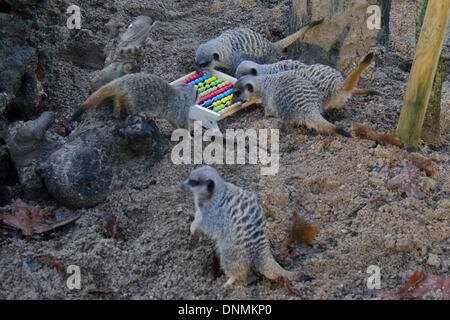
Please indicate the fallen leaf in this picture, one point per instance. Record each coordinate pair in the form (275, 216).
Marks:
(422, 163)
(365, 132)
(110, 226)
(412, 281)
(419, 286)
(301, 231)
(299, 177)
(51, 261)
(406, 181)
(29, 219)
(379, 199)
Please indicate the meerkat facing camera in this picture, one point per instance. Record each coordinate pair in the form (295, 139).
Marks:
(234, 219)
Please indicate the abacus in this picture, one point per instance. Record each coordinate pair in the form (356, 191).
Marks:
(216, 93)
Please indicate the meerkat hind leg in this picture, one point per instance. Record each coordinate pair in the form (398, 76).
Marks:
(121, 102)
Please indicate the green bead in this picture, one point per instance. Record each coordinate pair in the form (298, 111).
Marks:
(218, 108)
(228, 103)
(207, 87)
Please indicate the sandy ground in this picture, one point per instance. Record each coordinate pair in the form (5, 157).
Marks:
(160, 260)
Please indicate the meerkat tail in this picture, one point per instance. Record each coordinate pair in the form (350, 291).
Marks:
(272, 269)
(360, 91)
(352, 80)
(107, 91)
(286, 42)
(349, 85)
(315, 120)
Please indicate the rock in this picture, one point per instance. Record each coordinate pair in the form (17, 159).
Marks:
(21, 56)
(4, 164)
(343, 38)
(433, 260)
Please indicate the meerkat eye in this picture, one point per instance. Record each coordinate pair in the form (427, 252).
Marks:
(237, 93)
(216, 56)
(193, 183)
(249, 87)
(254, 72)
(204, 65)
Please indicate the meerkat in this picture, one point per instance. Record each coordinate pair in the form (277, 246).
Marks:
(234, 219)
(292, 98)
(233, 46)
(146, 92)
(329, 81)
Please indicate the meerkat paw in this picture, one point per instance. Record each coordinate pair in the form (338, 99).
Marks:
(194, 227)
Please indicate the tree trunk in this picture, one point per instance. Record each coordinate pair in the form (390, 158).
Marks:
(431, 131)
(422, 73)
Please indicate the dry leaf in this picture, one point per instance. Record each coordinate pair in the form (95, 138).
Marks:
(420, 286)
(365, 132)
(406, 181)
(413, 280)
(29, 219)
(110, 226)
(422, 163)
(379, 199)
(51, 261)
(302, 231)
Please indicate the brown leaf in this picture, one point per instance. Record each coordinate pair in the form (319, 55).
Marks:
(28, 219)
(110, 226)
(379, 199)
(406, 181)
(365, 132)
(419, 286)
(431, 284)
(51, 261)
(413, 280)
(422, 163)
(301, 231)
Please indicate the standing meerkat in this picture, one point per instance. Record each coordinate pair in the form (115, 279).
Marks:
(329, 81)
(292, 98)
(146, 92)
(233, 46)
(234, 219)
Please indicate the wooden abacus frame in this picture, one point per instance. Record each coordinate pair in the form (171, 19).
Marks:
(208, 117)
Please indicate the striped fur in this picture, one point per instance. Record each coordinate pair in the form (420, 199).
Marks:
(234, 219)
(233, 46)
(329, 81)
(146, 92)
(290, 97)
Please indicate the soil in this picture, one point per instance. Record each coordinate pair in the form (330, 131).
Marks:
(159, 259)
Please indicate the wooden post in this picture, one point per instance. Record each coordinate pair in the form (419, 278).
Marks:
(424, 67)
(431, 130)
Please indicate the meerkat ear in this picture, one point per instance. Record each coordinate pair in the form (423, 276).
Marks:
(249, 87)
(216, 56)
(210, 185)
(253, 71)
